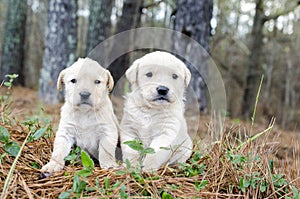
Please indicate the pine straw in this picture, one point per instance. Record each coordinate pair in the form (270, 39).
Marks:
(223, 176)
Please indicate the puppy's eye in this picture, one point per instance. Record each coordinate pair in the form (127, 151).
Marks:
(174, 76)
(97, 81)
(149, 74)
(73, 81)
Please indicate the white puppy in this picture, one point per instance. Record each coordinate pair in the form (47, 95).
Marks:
(154, 110)
(87, 118)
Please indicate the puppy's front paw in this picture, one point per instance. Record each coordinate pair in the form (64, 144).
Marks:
(52, 166)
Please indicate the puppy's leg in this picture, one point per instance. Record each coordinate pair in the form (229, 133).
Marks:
(129, 154)
(127, 134)
(107, 148)
(183, 151)
(62, 147)
(161, 155)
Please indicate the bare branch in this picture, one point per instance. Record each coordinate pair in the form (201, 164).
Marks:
(152, 4)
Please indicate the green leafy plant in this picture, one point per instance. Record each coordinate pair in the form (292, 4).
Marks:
(80, 178)
(9, 146)
(138, 146)
(74, 156)
(166, 195)
(136, 171)
(250, 180)
(108, 189)
(12, 168)
(39, 126)
(201, 185)
(193, 168)
(123, 193)
(11, 78)
(6, 100)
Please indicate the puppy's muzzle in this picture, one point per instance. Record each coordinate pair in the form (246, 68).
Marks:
(84, 95)
(162, 93)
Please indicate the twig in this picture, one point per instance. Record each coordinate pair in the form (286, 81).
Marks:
(271, 125)
(255, 106)
(13, 166)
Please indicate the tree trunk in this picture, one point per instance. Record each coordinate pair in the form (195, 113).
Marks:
(131, 16)
(14, 40)
(254, 68)
(60, 46)
(254, 65)
(193, 18)
(99, 22)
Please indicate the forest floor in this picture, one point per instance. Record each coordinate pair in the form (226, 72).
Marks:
(285, 144)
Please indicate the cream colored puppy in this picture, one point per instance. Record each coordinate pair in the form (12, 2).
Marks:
(154, 110)
(87, 118)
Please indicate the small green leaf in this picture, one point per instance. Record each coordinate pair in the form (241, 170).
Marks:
(149, 151)
(123, 194)
(106, 182)
(4, 134)
(78, 185)
(166, 195)
(39, 133)
(197, 156)
(84, 173)
(7, 84)
(90, 189)
(165, 148)
(120, 172)
(87, 161)
(128, 165)
(2, 156)
(64, 195)
(35, 165)
(295, 192)
(264, 185)
(201, 185)
(271, 165)
(135, 144)
(12, 148)
(116, 185)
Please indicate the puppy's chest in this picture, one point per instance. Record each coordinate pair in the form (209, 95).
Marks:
(87, 125)
(151, 122)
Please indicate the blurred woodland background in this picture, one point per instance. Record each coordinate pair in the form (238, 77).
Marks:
(245, 38)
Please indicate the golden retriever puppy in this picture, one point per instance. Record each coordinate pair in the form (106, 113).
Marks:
(154, 110)
(87, 117)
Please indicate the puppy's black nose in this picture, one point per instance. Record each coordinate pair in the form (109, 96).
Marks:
(84, 95)
(162, 90)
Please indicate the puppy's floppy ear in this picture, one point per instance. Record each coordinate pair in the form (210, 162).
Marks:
(110, 81)
(132, 72)
(60, 80)
(187, 76)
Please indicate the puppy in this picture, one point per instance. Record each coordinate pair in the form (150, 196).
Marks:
(87, 118)
(154, 110)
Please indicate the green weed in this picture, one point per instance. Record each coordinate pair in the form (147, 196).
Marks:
(8, 145)
(193, 167)
(74, 156)
(6, 100)
(80, 178)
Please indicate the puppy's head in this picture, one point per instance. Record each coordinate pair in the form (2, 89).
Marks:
(86, 83)
(159, 77)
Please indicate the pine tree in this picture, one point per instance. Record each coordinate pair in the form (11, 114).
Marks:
(99, 22)
(60, 46)
(192, 18)
(12, 59)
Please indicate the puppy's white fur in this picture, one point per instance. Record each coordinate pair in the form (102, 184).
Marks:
(159, 123)
(87, 122)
